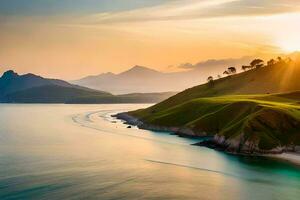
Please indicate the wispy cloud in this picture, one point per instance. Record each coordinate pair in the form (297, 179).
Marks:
(198, 9)
(70, 7)
(217, 63)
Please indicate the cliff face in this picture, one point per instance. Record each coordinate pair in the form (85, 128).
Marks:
(267, 131)
(239, 145)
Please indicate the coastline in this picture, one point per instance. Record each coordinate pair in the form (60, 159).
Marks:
(291, 157)
(279, 153)
(182, 132)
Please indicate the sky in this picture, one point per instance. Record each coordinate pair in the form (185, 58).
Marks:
(70, 39)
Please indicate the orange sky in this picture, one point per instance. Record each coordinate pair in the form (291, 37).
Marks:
(71, 46)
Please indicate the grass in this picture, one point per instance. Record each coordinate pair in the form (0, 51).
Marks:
(266, 80)
(271, 120)
(254, 107)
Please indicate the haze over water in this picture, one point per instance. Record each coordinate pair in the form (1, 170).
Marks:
(79, 152)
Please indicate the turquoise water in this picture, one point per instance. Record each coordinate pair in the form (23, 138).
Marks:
(80, 152)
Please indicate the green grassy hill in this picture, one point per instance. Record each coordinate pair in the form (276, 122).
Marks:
(256, 122)
(244, 122)
(272, 79)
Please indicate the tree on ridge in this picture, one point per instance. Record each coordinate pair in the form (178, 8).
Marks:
(257, 63)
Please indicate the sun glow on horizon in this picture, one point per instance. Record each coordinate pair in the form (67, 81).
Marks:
(290, 45)
(72, 44)
(287, 32)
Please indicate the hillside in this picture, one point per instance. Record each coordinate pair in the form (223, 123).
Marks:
(238, 123)
(236, 111)
(267, 80)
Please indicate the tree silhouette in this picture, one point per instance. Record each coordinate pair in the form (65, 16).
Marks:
(271, 62)
(245, 67)
(257, 63)
(231, 70)
(210, 80)
(226, 72)
(288, 60)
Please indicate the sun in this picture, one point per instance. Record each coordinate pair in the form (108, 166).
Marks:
(289, 44)
(291, 47)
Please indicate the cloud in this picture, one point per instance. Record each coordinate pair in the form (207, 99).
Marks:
(211, 63)
(67, 7)
(198, 9)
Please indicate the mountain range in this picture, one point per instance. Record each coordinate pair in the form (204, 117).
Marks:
(143, 79)
(30, 88)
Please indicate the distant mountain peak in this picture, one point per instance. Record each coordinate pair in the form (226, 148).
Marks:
(9, 74)
(106, 75)
(137, 69)
(109, 73)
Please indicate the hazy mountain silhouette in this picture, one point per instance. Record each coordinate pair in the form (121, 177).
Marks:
(33, 87)
(30, 88)
(143, 79)
(12, 82)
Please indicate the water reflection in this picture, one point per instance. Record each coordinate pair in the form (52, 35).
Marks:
(74, 151)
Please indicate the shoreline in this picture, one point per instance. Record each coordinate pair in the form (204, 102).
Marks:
(291, 157)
